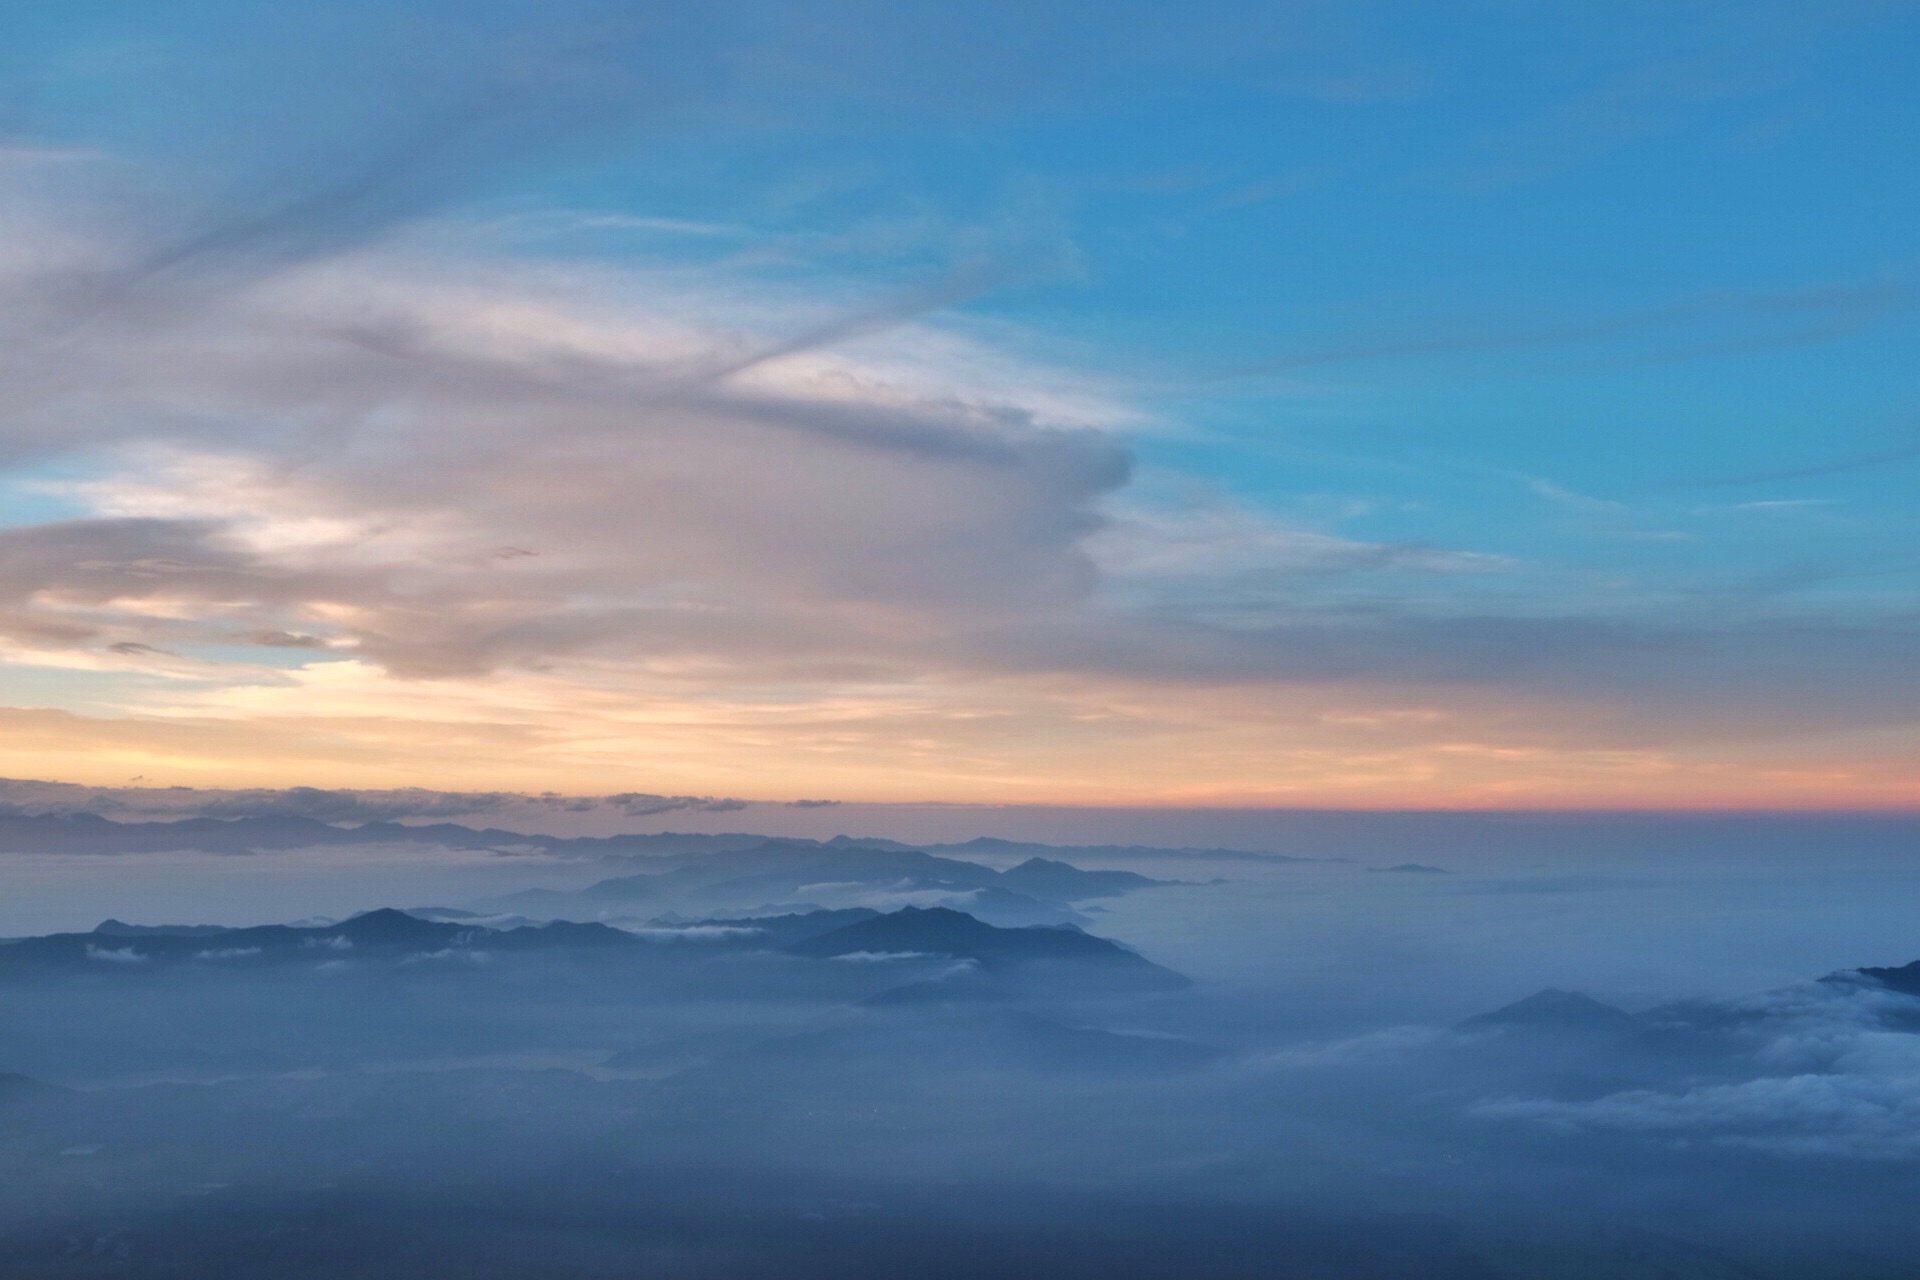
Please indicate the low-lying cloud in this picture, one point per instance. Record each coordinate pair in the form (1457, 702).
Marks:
(1835, 1074)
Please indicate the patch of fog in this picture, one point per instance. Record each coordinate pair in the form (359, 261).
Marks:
(456, 954)
(1334, 951)
(691, 932)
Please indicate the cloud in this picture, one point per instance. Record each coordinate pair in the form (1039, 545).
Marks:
(115, 955)
(1711, 59)
(635, 805)
(1846, 1117)
(1390, 1045)
(458, 955)
(362, 482)
(1838, 1077)
(681, 522)
(336, 805)
(1688, 328)
(1835, 466)
(692, 932)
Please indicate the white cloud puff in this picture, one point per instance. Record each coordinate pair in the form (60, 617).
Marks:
(1835, 1073)
(227, 953)
(115, 955)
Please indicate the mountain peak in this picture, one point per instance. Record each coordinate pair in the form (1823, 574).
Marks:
(1903, 978)
(384, 923)
(1555, 1009)
(943, 931)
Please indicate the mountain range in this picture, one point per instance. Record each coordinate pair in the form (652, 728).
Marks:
(90, 833)
(787, 875)
(387, 936)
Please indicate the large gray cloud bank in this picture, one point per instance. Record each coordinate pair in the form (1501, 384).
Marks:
(304, 396)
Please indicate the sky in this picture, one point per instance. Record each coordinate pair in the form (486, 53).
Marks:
(1353, 404)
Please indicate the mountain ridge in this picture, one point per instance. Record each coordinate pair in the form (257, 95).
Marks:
(93, 833)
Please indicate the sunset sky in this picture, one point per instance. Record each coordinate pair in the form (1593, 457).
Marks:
(1333, 404)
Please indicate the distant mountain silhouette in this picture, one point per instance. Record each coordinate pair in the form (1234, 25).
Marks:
(87, 833)
(1904, 979)
(994, 847)
(785, 866)
(1037, 891)
(1010, 910)
(121, 929)
(1032, 955)
(90, 833)
(1028, 955)
(1046, 878)
(387, 934)
(1555, 1010)
(472, 919)
(389, 926)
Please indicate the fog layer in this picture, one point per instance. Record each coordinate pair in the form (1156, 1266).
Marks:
(714, 1056)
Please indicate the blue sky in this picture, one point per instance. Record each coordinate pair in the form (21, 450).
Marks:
(1555, 358)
